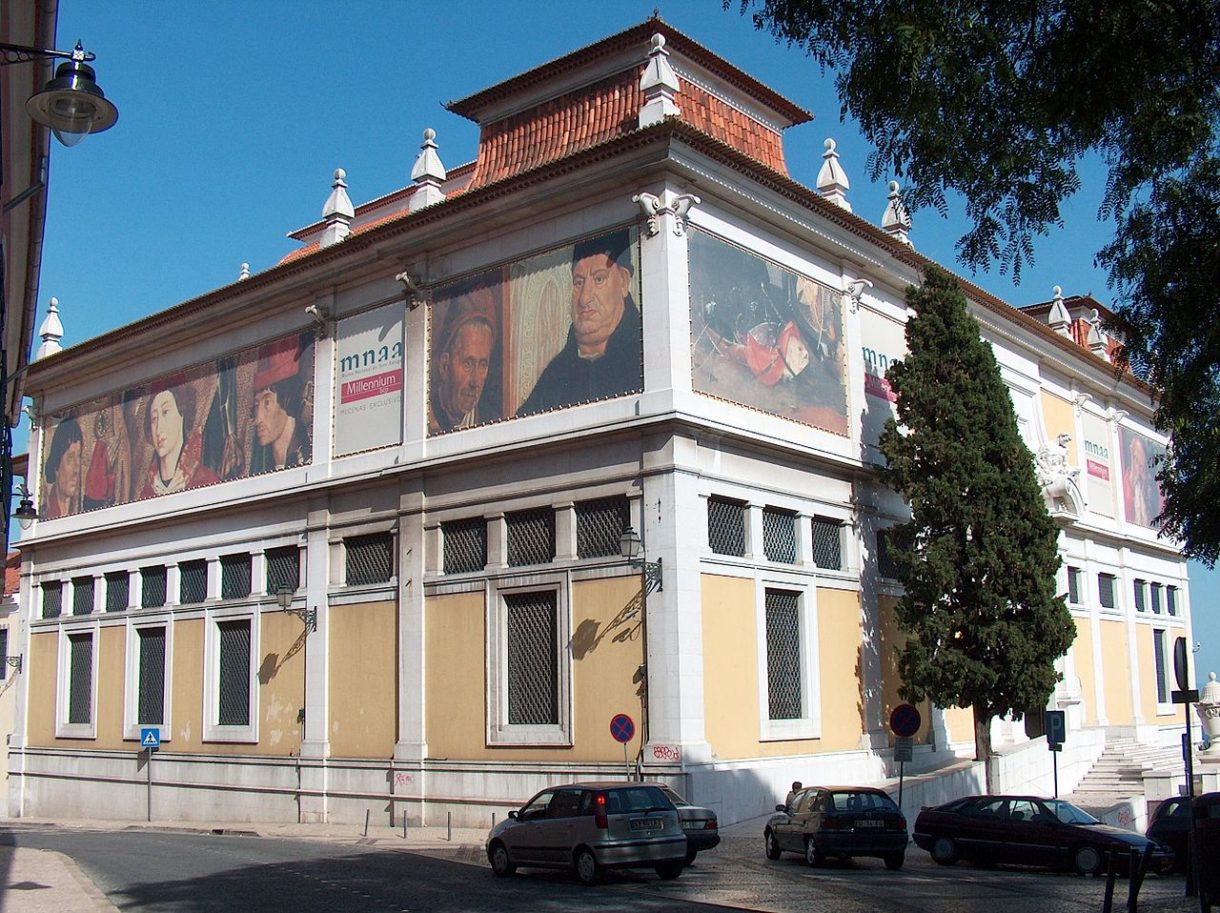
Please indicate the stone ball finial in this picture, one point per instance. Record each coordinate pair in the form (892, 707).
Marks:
(340, 174)
(829, 144)
(54, 302)
(429, 135)
(1211, 677)
(1057, 291)
(658, 42)
(894, 186)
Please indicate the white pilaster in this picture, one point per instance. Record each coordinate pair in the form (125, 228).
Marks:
(412, 742)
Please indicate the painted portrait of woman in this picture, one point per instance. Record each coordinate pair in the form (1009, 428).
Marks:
(169, 417)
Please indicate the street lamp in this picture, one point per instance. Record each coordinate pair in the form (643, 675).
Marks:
(283, 598)
(630, 547)
(72, 104)
(26, 513)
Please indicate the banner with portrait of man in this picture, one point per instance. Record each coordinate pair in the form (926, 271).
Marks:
(240, 415)
(542, 333)
(766, 337)
(1141, 457)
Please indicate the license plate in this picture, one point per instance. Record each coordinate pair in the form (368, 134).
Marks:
(646, 824)
(867, 822)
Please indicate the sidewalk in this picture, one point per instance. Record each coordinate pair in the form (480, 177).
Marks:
(43, 881)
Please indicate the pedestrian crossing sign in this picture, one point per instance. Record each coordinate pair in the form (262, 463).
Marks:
(150, 738)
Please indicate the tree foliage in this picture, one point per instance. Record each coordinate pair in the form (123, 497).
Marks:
(1001, 102)
(979, 556)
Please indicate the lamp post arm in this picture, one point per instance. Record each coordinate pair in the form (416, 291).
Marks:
(19, 53)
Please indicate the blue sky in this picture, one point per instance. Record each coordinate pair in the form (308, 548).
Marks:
(234, 115)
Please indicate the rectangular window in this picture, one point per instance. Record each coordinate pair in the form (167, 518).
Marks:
(1171, 599)
(283, 568)
(1158, 655)
(235, 576)
(465, 545)
(80, 679)
(52, 598)
(82, 595)
(370, 559)
(779, 535)
(150, 709)
(153, 589)
(1157, 604)
(599, 525)
(726, 527)
(530, 627)
(531, 537)
(193, 585)
(1105, 590)
(118, 588)
(3, 654)
(1138, 592)
(783, 655)
(1074, 581)
(233, 679)
(828, 544)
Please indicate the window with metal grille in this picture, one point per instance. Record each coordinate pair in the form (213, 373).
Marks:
(465, 545)
(1171, 599)
(233, 705)
(779, 535)
(1105, 590)
(52, 598)
(1074, 585)
(153, 589)
(82, 595)
(283, 568)
(235, 576)
(885, 562)
(118, 588)
(370, 559)
(599, 525)
(1158, 655)
(3, 654)
(828, 544)
(726, 526)
(150, 705)
(80, 679)
(1138, 593)
(1156, 603)
(531, 536)
(783, 654)
(193, 583)
(533, 674)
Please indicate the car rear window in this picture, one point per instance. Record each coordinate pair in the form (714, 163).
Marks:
(636, 799)
(862, 802)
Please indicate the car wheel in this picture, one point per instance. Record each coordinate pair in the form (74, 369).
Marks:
(813, 856)
(1087, 860)
(690, 855)
(944, 851)
(587, 869)
(773, 850)
(500, 863)
(668, 871)
(894, 861)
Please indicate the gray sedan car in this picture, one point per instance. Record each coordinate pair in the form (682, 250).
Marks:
(590, 827)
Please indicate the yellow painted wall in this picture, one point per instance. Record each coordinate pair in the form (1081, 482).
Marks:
(602, 671)
(281, 692)
(1116, 673)
(111, 665)
(730, 672)
(1059, 417)
(1082, 651)
(363, 680)
(40, 667)
(1147, 669)
(891, 640)
(186, 698)
(959, 723)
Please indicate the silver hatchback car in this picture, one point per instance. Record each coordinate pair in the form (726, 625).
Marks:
(590, 827)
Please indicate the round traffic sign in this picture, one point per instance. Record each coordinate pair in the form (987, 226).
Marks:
(905, 720)
(622, 727)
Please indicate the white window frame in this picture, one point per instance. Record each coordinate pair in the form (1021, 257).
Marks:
(499, 730)
(809, 725)
(1115, 592)
(212, 730)
(1081, 585)
(64, 729)
(131, 685)
(1166, 706)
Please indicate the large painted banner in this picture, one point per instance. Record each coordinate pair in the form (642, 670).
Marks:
(1098, 464)
(244, 414)
(368, 383)
(883, 343)
(765, 337)
(1141, 493)
(543, 333)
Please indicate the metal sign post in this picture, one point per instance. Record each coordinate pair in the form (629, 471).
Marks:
(1056, 735)
(905, 721)
(1185, 695)
(150, 741)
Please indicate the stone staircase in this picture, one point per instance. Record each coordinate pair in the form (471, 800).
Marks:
(1119, 772)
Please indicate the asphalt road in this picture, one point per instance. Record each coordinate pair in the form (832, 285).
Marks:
(169, 872)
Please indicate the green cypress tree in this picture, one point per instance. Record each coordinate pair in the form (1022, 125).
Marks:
(978, 558)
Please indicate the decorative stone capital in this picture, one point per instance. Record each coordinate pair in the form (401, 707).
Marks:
(412, 286)
(669, 203)
(854, 292)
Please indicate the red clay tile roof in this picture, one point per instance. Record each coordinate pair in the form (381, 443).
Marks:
(12, 573)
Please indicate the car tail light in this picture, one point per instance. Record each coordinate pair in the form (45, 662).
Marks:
(711, 825)
(599, 811)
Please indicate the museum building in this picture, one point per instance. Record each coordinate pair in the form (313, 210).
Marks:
(584, 428)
